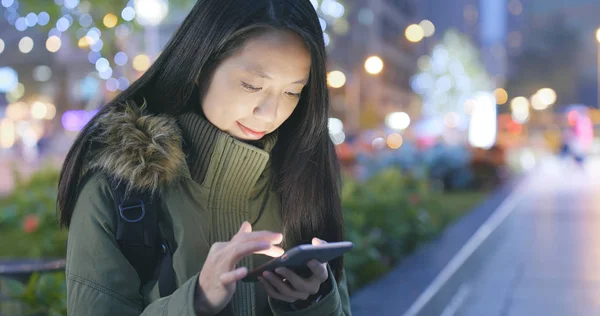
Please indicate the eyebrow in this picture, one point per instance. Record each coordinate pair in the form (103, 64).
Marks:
(260, 72)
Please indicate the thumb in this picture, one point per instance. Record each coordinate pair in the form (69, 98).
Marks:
(245, 228)
(316, 241)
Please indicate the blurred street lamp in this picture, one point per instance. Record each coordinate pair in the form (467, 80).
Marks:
(397, 120)
(427, 27)
(414, 33)
(546, 96)
(150, 13)
(520, 109)
(501, 96)
(374, 65)
(336, 79)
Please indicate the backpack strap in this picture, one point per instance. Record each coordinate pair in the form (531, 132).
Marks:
(139, 237)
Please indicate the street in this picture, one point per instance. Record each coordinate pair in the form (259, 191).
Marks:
(548, 260)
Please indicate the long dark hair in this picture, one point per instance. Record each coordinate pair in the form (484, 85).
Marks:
(304, 157)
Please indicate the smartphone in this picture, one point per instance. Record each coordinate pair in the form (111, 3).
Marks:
(297, 258)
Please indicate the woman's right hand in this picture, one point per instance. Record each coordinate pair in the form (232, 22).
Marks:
(217, 280)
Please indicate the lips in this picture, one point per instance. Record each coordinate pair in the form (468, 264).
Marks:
(254, 134)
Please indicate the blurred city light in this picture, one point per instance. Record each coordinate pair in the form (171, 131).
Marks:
(520, 109)
(414, 33)
(53, 44)
(43, 18)
(75, 120)
(336, 79)
(26, 45)
(428, 28)
(16, 93)
(110, 20)
(17, 111)
(128, 14)
(547, 96)
(395, 141)
(141, 62)
(39, 110)
(501, 96)
(50, 111)
(332, 8)
(336, 130)
(397, 120)
(536, 102)
(7, 133)
(598, 35)
(515, 7)
(42, 73)
(150, 12)
(378, 143)
(1, 46)
(374, 65)
(9, 79)
(482, 127)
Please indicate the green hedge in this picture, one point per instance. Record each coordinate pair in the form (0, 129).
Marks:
(387, 217)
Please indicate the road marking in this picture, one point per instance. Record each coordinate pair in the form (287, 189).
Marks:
(482, 233)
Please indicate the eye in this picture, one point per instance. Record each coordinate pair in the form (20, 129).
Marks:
(295, 95)
(250, 88)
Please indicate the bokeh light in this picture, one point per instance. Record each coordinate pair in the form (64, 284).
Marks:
(150, 12)
(53, 44)
(7, 133)
(547, 96)
(336, 79)
(1, 46)
(397, 120)
(17, 111)
(374, 65)
(537, 103)
(42, 73)
(121, 58)
(395, 141)
(39, 110)
(501, 96)
(26, 45)
(141, 62)
(43, 18)
(110, 20)
(428, 28)
(414, 33)
(128, 14)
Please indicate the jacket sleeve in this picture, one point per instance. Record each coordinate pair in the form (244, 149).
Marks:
(100, 280)
(334, 303)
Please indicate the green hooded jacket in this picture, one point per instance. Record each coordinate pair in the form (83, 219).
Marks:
(209, 184)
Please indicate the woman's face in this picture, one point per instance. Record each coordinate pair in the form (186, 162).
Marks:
(254, 91)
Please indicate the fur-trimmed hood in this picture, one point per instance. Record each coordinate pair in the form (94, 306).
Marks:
(131, 145)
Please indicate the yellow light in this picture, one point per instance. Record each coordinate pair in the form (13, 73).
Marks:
(38, 110)
(85, 41)
(395, 141)
(7, 133)
(428, 28)
(141, 62)
(519, 104)
(598, 35)
(414, 33)
(501, 96)
(26, 45)
(17, 111)
(110, 20)
(537, 103)
(547, 96)
(53, 44)
(50, 111)
(336, 79)
(374, 65)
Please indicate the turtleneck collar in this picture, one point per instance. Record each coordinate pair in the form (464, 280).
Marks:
(215, 158)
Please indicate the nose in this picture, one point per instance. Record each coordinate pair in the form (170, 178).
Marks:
(266, 111)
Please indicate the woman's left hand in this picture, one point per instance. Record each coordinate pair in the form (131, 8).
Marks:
(292, 287)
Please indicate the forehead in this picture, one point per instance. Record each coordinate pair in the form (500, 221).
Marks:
(280, 53)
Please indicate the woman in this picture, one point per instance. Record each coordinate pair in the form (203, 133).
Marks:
(228, 127)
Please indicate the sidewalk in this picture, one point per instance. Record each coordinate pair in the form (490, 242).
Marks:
(548, 262)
